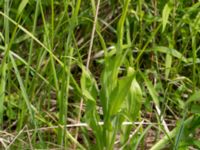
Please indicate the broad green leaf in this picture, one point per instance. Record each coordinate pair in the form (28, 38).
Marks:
(119, 94)
(92, 118)
(134, 99)
(90, 92)
(165, 14)
(109, 79)
(88, 85)
(22, 6)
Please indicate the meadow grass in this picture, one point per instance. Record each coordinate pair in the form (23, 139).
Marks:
(115, 74)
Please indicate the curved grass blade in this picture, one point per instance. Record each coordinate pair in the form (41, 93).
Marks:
(21, 7)
(165, 14)
(170, 51)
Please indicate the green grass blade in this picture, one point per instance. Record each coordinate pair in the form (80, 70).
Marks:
(120, 25)
(23, 90)
(22, 7)
(165, 14)
(32, 36)
(4, 62)
(162, 143)
(168, 64)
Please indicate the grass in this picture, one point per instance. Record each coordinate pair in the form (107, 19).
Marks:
(99, 74)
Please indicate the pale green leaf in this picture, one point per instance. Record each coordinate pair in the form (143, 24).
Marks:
(165, 14)
(134, 100)
(22, 6)
(168, 64)
(88, 85)
(119, 94)
(170, 51)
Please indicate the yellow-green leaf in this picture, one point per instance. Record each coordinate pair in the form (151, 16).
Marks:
(165, 14)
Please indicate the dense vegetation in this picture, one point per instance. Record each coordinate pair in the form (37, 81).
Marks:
(99, 74)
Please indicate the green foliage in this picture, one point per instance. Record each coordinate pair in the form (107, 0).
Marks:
(22, 6)
(166, 12)
(143, 74)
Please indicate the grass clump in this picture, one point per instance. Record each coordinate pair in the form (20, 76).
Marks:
(99, 74)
